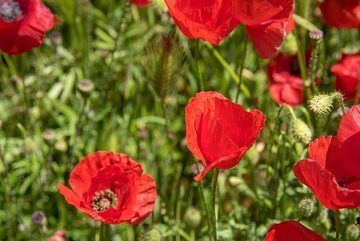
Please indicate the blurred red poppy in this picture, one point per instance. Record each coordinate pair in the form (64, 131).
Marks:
(347, 73)
(267, 22)
(23, 24)
(111, 188)
(293, 229)
(209, 20)
(141, 3)
(286, 85)
(332, 171)
(219, 132)
(341, 13)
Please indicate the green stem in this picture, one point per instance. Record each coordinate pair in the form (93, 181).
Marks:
(197, 60)
(243, 53)
(337, 225)
(202, 197)
(291, 111)
(213, 203)
(105, 232)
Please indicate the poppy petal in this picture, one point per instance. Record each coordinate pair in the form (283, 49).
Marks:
(350, 124)
(350, 154)
(325, 187)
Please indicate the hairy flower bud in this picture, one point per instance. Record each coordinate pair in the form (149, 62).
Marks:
(289, 46)
(152, 235)
(353, 232)
(38, 218)
(192, 217)
(85, 86)
(306, 207)
(300, 131)
(321, 104)
(316, 34)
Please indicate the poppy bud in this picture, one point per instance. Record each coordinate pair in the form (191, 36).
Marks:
(300, 131)
(85, 86)
(192, 217)
(321, 104)
(289, 46)
(152, 235)
(306, 207)
(29, 146)
(61, 146)
(353, 232)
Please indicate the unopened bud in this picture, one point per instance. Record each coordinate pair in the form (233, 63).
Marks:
(61, 146)
(321, 104)
(353, 232)
(300, 131)
(38, 218)
(48, 134)
(152, 235)
(306, 207)
(192, 217)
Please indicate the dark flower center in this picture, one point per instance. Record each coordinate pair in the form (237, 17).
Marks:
(10, 10)
(294, 67)
(104, 200)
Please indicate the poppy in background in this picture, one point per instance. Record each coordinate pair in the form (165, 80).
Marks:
(210, 20)
(332, 170)
(219, 132)
(23, 25)
(293, 229)
(286, 85)
(267, 23)
(341, 13)
(141, 3)
(347, 73)
(111, 188)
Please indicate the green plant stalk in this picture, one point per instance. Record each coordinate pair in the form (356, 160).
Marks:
(337, 224)
(202, 197)
(243, 53)
(197, 59)
(213, 203)
(105, 232)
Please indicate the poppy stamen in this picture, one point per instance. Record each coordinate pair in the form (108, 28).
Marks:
(10, 10)
(104, 200)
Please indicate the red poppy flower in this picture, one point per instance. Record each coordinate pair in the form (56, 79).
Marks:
(209, 20)
(293, 229)
(111, 187)
(141, 3)
(267, 22)
(219, 132)
(286, 85)
(341, 13)
(347, 73)
(23, 24)
(332, 171)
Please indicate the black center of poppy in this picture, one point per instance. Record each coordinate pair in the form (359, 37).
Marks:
(9, 10)
(294, 67)
(104, 200)
(342, 182)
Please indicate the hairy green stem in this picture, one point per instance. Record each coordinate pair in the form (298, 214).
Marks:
(213, 203)
(337, 224)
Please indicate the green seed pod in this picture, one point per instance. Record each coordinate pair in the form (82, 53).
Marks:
(353, 232)
(306, 207)
(152, 235)
(192, 217)
(300, 131)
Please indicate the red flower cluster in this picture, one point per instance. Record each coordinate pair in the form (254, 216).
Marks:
(23, 24)
(286, 85)
(341, 13)
(267, 21)
(298, 232)
(219, 132)
(347, 73)
(112, 188)
(332, 171)
(141, 3)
